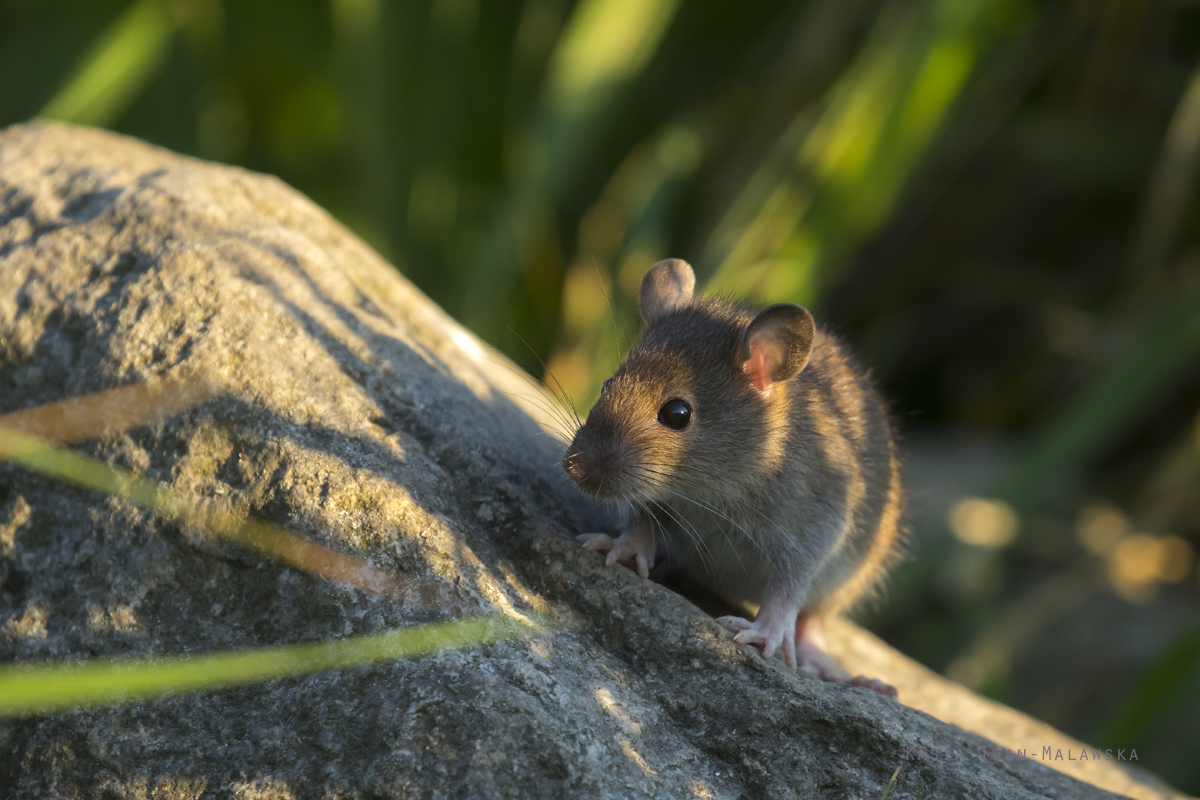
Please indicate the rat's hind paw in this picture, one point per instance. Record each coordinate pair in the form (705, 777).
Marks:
(629, 551)
(810, 648)
(874, 684)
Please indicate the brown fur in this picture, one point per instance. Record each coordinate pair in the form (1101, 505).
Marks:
(800, 485)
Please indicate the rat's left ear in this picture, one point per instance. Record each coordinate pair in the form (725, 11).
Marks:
(667, 286)
(776, 345)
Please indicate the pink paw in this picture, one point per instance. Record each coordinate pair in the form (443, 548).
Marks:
(767, 635)
(816, 662)
(628, 552)
(775, 632)
(874, 684)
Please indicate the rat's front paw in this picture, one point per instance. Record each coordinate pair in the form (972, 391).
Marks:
(767, 635)
(629, 551)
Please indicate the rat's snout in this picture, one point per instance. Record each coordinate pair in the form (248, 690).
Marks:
(595, 470)
(575, 465)
(601, 459)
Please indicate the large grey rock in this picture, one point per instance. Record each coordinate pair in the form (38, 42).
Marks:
(356, 413)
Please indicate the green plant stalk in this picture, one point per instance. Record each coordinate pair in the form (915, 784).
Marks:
(606, 45)
(40, 456)
(43, 688)
(38, 688)
(119, 66)
(783, 237)
(888, 789)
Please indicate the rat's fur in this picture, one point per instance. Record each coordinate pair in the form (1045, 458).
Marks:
(798, 487)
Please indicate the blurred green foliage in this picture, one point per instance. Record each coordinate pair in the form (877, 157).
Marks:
(993, 201)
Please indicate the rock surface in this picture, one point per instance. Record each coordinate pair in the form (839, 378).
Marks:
(357, 414)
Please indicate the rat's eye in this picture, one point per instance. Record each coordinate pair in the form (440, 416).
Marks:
(607, 383)
(675, 414)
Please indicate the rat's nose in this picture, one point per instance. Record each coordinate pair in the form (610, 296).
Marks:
(573, 463)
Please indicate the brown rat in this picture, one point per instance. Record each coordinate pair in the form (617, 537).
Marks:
(754, 456)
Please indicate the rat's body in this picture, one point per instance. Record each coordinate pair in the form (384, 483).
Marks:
(761, 452)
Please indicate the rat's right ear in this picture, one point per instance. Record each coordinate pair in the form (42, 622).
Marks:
(777, 344)
(668, 285)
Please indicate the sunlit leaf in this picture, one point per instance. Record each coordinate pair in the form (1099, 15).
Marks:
(790, 227)
(606, 44)
(118, 67)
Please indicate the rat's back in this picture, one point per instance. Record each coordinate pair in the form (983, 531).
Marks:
(850, 433)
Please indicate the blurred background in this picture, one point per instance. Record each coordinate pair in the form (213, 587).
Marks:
(992, 201)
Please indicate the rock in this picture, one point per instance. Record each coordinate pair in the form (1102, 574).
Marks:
(325, 394)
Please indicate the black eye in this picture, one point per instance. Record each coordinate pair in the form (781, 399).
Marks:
(675, 414)
(607, 383)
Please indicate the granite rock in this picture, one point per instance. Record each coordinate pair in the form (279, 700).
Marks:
(355, 413)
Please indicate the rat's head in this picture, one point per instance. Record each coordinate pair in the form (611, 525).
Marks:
(698, 406)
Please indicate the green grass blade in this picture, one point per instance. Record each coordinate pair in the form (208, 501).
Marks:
(888, 789)
(39, 689)
(37, 455)
(835, 176)
(605, 46)
(606, 43)
(119, 66)
(1171, 186)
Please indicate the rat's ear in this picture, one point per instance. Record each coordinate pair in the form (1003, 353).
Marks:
(668, 285)
(776, 345)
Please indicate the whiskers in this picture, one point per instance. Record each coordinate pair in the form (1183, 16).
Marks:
(561, 414)
(721, 522)
(731, 514)
(720, 530)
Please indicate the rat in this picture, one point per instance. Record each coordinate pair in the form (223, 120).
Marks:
(752, 455)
